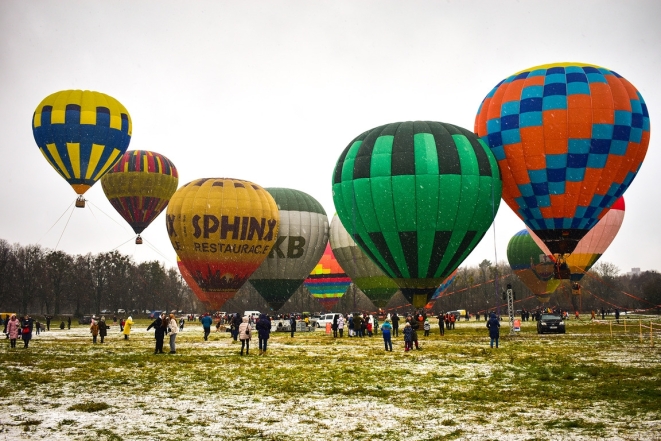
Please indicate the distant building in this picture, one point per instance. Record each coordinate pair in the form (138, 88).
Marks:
(634, 272)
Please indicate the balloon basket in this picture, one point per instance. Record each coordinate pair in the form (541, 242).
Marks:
(80, 202)
(562, 271)
(138, 240)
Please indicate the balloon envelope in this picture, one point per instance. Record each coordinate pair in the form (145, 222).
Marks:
(569, 139)
(222, 229)
(367, 276)
(139, 186)
(532, 265)
(302, 238)
(593, 244)
(81, 134)
(444, 285)
(190, 280)
(327, 282)
(417, 197)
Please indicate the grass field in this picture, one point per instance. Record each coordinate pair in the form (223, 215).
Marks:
(583, 385)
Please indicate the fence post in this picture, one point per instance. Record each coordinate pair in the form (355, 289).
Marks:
(625, 325)
(640, 324)
(651, 338)
(610, 324)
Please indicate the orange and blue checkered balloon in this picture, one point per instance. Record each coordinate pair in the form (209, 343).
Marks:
(569, 139)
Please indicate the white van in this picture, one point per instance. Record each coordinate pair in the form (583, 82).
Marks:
(252, 315)
(325, 318)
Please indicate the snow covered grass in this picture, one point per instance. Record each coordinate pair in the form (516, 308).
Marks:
(582, 385)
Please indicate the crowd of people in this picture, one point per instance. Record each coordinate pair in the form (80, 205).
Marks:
(356, 325)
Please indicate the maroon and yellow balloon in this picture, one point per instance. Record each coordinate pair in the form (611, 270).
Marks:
(140, 186)
(222, 229)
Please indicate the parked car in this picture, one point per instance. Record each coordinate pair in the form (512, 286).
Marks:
(121, 311)
(459, 314)
(154, 314)
(325, 318)
(551, 323)
(85, 320)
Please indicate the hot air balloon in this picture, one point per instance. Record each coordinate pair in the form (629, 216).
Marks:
(302, 238)
(417, 197)
(593, 244)
(569, 139)
(327, 282)
(441, 289)
(535, 267)
(188, 278)
(140, 186)
(445, 285)
(222, 229)
(367, 276)
(81, 134)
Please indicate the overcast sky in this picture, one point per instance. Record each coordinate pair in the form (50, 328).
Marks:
(273, 91)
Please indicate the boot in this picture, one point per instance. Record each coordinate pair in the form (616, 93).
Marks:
(261, 352)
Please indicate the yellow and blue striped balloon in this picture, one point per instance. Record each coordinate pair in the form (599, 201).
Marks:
(82, 134)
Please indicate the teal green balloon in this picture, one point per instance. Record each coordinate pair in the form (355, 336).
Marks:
(417, 197)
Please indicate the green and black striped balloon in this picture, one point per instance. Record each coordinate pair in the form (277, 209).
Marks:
(417, 197)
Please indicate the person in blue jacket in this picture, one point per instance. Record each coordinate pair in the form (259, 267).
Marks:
(263, 332)
(206, 321)
(386, 329)
(494, 329)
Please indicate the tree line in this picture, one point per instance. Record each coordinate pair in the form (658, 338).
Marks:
(41, 281)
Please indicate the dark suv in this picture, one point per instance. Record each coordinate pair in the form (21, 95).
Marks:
(551, 323)
(85, 320)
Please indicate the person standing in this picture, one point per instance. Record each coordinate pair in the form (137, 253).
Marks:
(206, 322)
(173, 329)
(494, 329)
(340, 324)
(37, 325)
(94, 329)
(292, 324)
(236, 322)
(395, 324)
(427, 327)
(603, 313)
(386, 329)
(48, 319)
(441, 324)
(159, 333)
(127, 327)
(617, 315)
(26, 330)
(263, 327)
(13, 325)
(415, 325)
(334, 325)
(103, 328)
(244, 334)
(358, 324)
(408, 337)
(68, 322)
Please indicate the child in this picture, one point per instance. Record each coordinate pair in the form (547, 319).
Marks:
(426, 326)
(408, 337)
(385, 331)
(369, 329)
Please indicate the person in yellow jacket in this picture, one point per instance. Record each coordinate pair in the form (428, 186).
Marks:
(127, 328)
